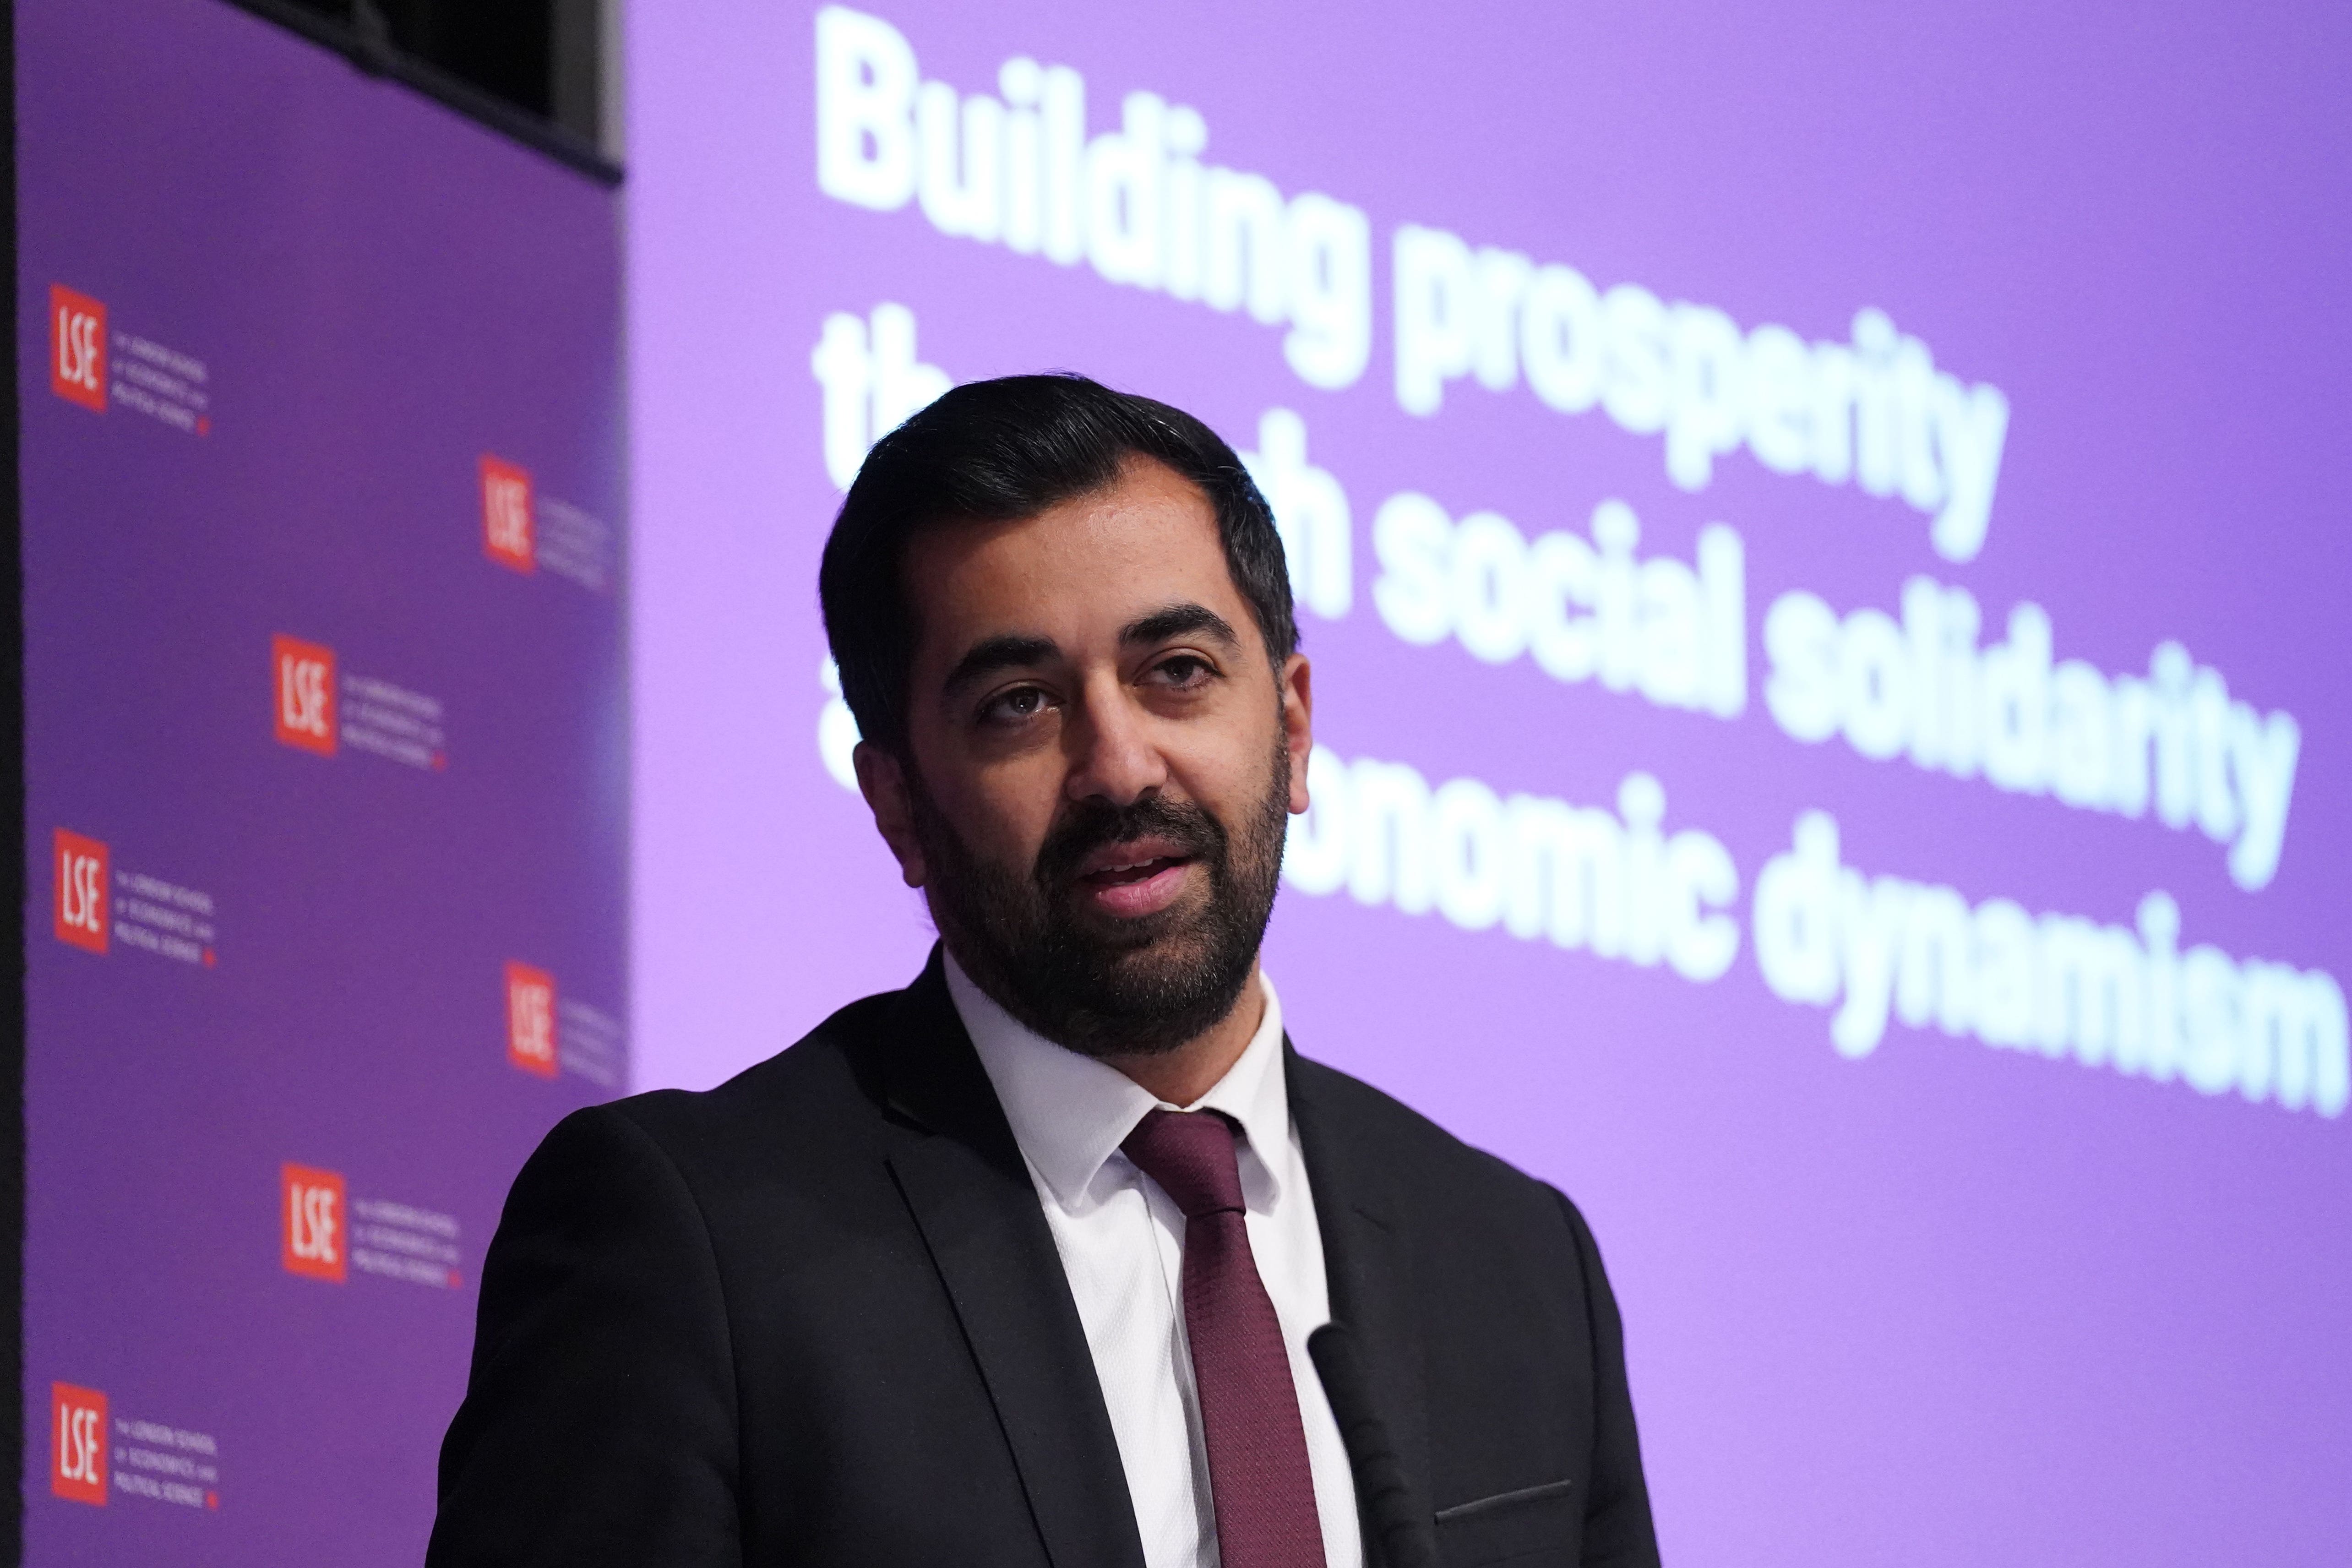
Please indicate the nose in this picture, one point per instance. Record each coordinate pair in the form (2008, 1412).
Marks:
(1113, 756)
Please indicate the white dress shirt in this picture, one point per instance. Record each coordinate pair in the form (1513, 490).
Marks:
(1122, 1245)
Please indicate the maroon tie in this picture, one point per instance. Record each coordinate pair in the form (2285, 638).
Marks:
(1258, 1473)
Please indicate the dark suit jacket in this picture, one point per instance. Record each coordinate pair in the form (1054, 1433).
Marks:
(815, 1316)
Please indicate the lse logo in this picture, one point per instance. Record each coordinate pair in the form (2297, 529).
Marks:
(304, 674)
(314, 1223)
(77, 348)
(531, 1019)
(78, 1443)
(81, 912)
(506, 514)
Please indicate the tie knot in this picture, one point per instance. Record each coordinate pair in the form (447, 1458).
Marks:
(1191, 1154)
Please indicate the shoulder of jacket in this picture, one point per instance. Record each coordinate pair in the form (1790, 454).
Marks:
(1354, 1111)
(810, 1087)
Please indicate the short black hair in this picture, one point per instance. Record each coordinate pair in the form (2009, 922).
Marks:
(992, 451)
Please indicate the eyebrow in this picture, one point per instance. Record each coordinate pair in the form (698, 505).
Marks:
(990, 655)
(1014, 651)
(1178, 621)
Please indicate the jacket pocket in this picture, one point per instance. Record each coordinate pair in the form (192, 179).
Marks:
(1528, 1528)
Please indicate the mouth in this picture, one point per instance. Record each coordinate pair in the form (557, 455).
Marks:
(1126, 881)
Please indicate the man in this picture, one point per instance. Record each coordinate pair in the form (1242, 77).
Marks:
(1030, 1262)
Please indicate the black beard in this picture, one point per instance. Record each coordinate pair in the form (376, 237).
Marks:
(1125, 988)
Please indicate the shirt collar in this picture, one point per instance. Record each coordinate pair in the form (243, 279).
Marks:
(1070, 1113)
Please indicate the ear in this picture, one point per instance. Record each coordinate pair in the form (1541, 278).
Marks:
(1297, 724)
(882, 780)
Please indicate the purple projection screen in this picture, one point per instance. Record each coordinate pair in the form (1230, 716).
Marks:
(1819, 530)
(326, 766)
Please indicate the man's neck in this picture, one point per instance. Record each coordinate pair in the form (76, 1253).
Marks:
(1183, 1075)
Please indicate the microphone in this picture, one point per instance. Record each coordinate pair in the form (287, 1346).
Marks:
(1407, 1539)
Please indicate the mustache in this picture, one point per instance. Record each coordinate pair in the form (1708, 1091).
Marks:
(1092, 825)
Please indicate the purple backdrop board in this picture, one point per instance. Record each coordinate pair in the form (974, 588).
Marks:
(325, 766)
(1819, 533)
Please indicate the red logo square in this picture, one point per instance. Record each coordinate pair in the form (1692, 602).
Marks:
(302, 675)
(531, 1019)
(314, 1210)
(82, 891)
(78, 1443)
(508, 522)
(78, 348)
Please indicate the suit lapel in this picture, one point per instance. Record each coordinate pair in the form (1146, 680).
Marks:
(1365, 1261)
(962, 1177)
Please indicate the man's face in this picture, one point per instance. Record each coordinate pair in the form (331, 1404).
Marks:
(1103, 761)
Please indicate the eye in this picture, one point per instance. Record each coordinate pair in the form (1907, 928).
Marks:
(1184, 671)
(1017, 706)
